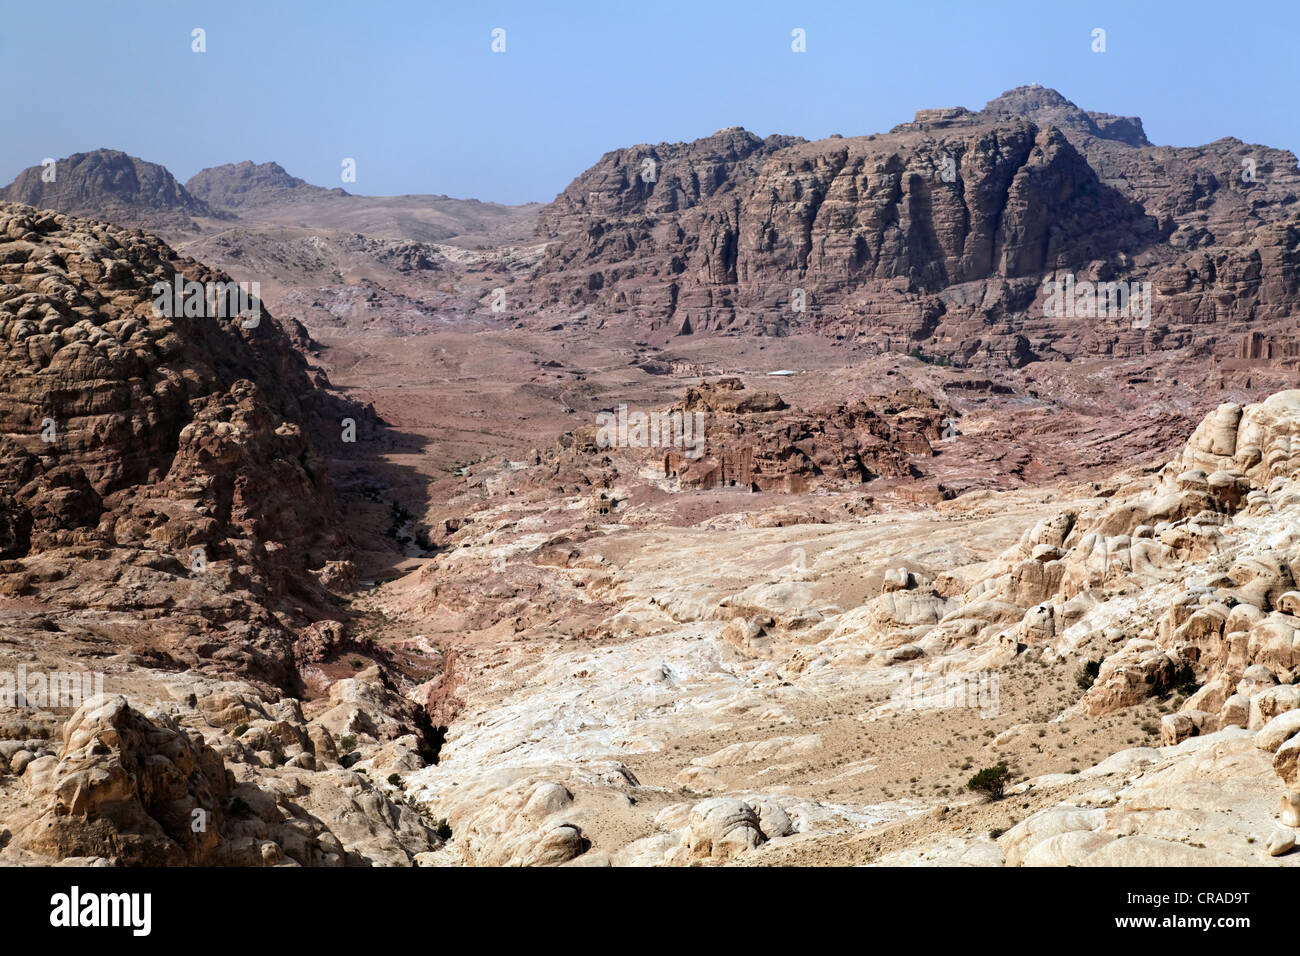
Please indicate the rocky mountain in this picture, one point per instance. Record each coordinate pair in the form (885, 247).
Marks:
(168, 529)
(939, 235)
(1047, 107)
(109, 184)
(611, 583)
(237, 185)
(148, 457)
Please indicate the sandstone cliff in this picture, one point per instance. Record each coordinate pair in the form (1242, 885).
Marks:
(160, 475)
(938, 234)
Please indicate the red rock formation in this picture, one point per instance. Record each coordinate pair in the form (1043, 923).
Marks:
(150, 460)
(938, 234)
(754, 440)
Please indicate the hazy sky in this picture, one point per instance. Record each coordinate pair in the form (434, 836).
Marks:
(414, 93)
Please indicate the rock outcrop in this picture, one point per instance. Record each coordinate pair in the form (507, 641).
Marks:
(939, 235)
(159, 472)
(108, 184)
(215, 774)
(236, 185)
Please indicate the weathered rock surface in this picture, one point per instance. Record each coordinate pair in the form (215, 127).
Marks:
(160, 475)
(108, 184)
(935, 236)
(213, 774)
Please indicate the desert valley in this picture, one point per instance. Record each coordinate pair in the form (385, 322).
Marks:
(926, 497)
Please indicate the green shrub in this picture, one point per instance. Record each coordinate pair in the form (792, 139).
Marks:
(991, 781)
(1086, 675)
(1184, 680)
(395, 779)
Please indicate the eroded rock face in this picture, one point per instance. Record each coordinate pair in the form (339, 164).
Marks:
(125, 787)
(148, 458)
(109, 184)
(834, 218)
(755, 441)
(937, 235)
(219, 775)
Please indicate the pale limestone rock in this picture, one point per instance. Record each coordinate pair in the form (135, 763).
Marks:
(1280, 842)
(721, 829)
(1235, 712)
(1289, 809)
(772, 819)
(1268, 704)
(1017, 842)
(1286, 761)
(1175, 728)
(521, 826)
(897, 579)
(774, 750)
(1278, 731)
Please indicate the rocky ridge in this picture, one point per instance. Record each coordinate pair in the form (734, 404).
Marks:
(236, 185)
(161, 482)
(108, 184)
(938, 235)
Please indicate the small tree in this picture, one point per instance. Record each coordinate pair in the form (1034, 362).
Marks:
(1184, 680)
(1087, 674)
(991, 781)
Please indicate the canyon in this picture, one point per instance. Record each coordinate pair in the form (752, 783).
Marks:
(368, 584)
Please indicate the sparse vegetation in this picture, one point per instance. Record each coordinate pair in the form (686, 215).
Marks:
(991, 781)
(1184, 681)
(1087, 673)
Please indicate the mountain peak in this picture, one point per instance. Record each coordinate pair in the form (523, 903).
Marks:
(239, 184)
(1044, 106)
(1027, 99)
(109, 184)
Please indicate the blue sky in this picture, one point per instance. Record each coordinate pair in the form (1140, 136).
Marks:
(414, 93)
